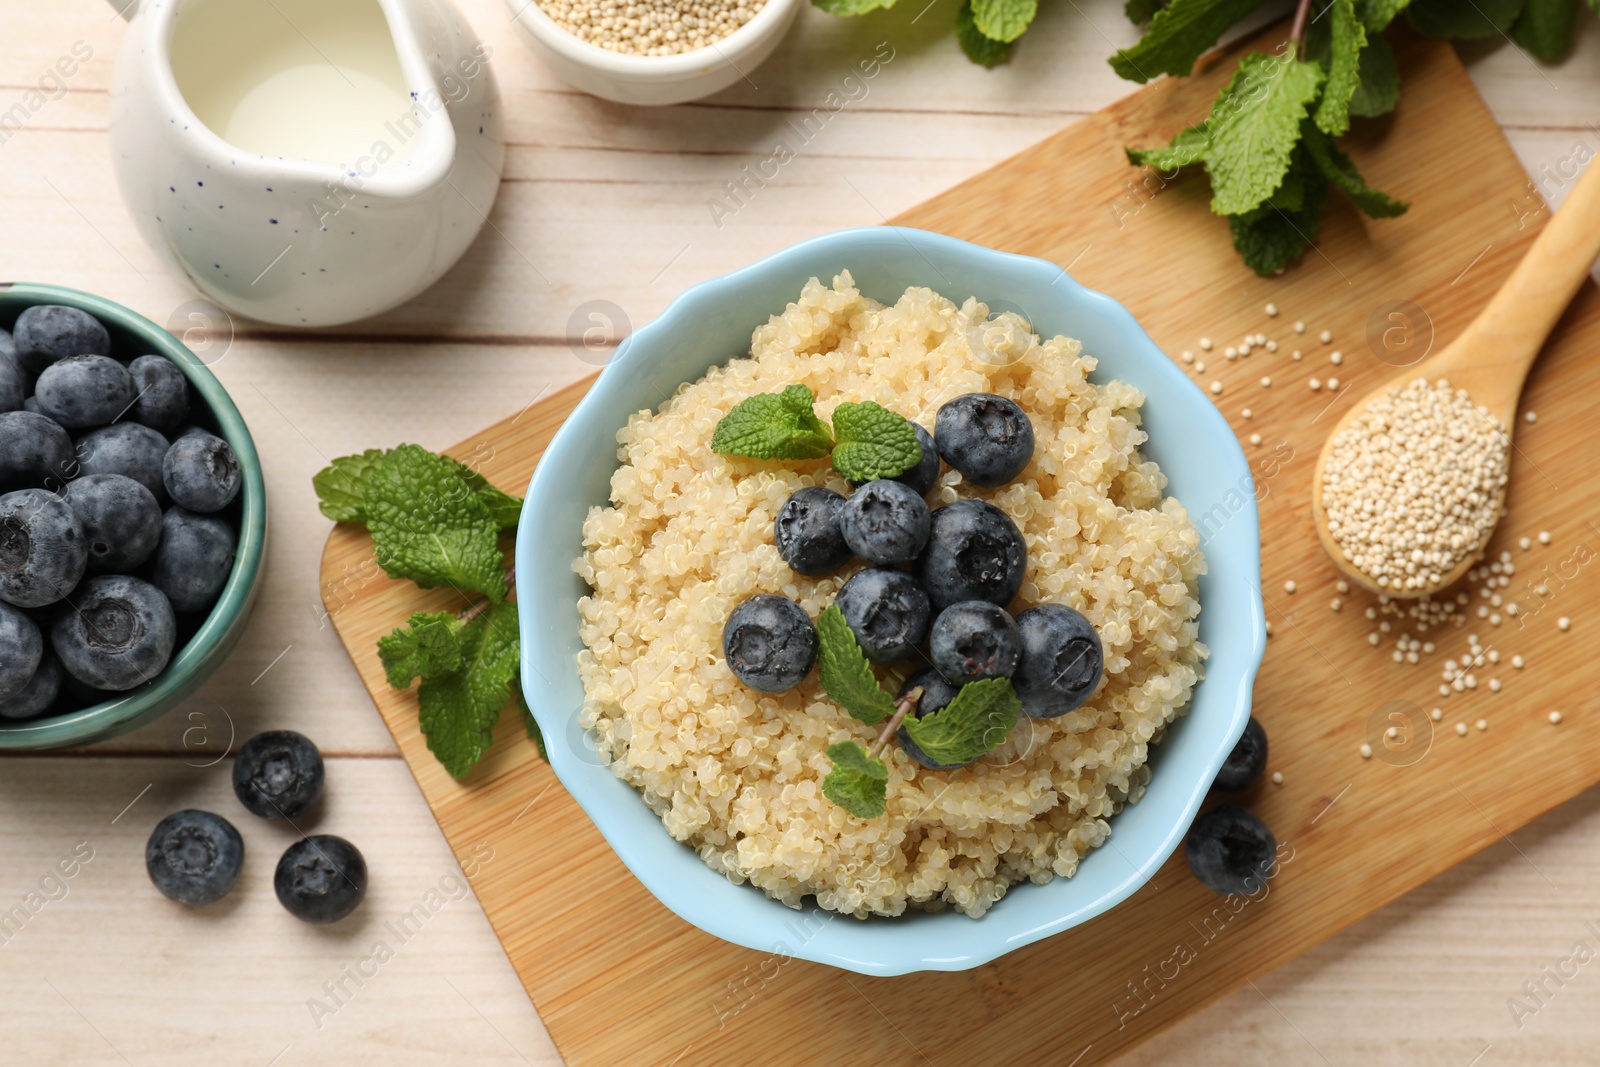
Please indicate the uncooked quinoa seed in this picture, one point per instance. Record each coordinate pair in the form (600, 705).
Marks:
(1414, 484)
(651, 27)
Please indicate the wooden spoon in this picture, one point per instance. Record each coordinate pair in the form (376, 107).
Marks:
(1490, 360)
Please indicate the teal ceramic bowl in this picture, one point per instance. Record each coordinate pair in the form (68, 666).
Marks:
(711, 323)
(219, 632)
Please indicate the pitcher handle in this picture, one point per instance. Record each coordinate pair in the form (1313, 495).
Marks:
(126, 8)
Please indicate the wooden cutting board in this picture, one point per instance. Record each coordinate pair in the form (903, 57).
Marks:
(618, 979)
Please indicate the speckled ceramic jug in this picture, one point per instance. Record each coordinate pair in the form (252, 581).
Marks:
(306, 162)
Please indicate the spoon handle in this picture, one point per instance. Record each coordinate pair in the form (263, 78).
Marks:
(1511, 329)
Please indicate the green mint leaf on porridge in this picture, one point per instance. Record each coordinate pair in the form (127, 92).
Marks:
(978, 719)
(429, 525)
(773, 426)
(342, 485)
(858, 782)
(427, 645)
(845, 674)
(458, 709)
(873, 442)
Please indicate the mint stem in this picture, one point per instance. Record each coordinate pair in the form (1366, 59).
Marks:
(1297, 29)
(483, 605)
(902, 708)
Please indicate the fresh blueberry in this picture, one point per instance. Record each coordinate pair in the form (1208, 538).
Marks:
(39, 695)
(48, 332)
(21, 649)
(975, 552)
(936, 693)
(8, 346)
(128, 449)
(986, 437)
(321, 878)
(1247, 760)
(201, 472)
(193, 560)
(1231, 851)
(121, 521)
(42, 548)
(770, 643)
(974, 639)
(1061, 663)
(885, 522)
(277, 774)
(33, 449)
(925, 474)
(887, 610)
(162, 391)
(13, 383)
(84, 391)
(807, 531)
(117, 633)
(194, 857)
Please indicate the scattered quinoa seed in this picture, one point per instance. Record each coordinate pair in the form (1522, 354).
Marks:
(1525, 544)
(1315, 384)
(1299, 327)
(1246, 413)
(1272, 311)
(1277, 776)
(1325, 336)
(1335, 604)
(1533, 416)
(1255, 439)
(1366, 750)
(1265, 381)
(1216, 387)
(1336, 358)
(1482, 724)
(1436, 714)
(1295, 354)
(1517, 662)
(1564, 623)
(1461, 729)
(1544, 537)
(1205, 344)
(1333, 383)
(1288, 587)
(1555, 717)
(1187, 357)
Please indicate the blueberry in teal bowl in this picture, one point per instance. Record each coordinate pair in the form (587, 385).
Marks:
(630, 560)
(116, 603)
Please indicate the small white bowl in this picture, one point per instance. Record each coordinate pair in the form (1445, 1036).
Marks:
(655, 80)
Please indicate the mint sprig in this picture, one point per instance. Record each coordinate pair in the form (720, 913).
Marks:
(773, 426)
(437, 522)
(844, 671)
(978, 719)
(858, 782)
(868, 441)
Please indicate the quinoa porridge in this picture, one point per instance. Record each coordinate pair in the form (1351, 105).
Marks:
(736, 773)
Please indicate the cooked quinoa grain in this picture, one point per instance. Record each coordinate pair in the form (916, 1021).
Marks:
(736, 774)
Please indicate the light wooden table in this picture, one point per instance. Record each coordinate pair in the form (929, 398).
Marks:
(605, 203)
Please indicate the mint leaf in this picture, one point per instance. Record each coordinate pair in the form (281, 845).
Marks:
(1177, 36)
(773, 426)
(341, 486)
(1189, 146)
(1545, 28)
(1003, 20)
(1377, 14)
(1454, 19)
(873, 442)
(1268, 239)
(1254, 126)
(847, 8)
(1379, 87)
(505, 508)
(979, 49)
(1291, 195)
(428, 525)
(529, 723)
(978, 719)
(427, 645)
(458, 710)
(1141, 11)
(858, 782)
(1346, 38)
(1342, 172)
(845, 674)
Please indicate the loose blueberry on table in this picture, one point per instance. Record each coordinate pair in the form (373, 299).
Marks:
(277, 774)
(194, 857)
(1247, 760)
(1231, 851)
(321, 879)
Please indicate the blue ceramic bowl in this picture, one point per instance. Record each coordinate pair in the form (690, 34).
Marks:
(712, 323)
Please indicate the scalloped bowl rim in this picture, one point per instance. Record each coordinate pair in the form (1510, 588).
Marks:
(1184, 764)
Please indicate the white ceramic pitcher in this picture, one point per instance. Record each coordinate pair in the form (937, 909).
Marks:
(306, 162)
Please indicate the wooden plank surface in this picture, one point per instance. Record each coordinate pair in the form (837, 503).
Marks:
(618, 199)
(1323, 691)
